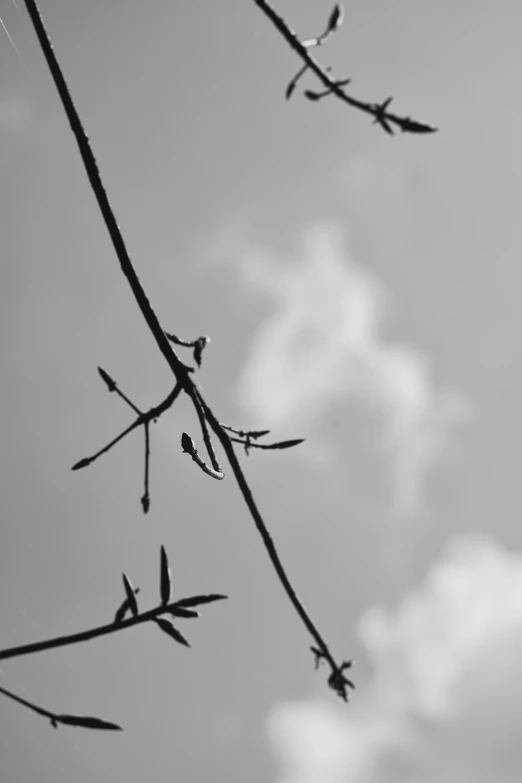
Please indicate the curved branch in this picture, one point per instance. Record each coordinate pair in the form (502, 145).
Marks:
(378, 111)
(179, 369)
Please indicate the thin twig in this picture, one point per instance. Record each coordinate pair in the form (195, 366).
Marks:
(206, 436)
(84, 721)
(264, 533)
(143, 420)
(378, 111)
(91, 633)
(180, 370)
(82, 636)
(245, 433)
(145, 500)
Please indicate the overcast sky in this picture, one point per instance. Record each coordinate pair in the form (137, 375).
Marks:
(361, 291)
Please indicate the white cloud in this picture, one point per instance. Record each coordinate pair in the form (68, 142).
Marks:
(322, 346)
(445, 703)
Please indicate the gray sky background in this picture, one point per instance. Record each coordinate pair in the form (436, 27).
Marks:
(360, 291)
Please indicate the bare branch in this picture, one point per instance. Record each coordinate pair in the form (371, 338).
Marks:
(206, 436)
(378, 111)
(181, 371)
(143, 420)
(83, 721)
(283, 444)
(100, 630)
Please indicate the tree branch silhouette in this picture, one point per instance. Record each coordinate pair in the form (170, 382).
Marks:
(182, 608)
(334, 87)
(84, 721)
(103, 630)
(184, 382)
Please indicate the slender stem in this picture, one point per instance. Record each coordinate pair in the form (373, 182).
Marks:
(29, 704)
(91, 167)
(88, 460)
(145, 500)
(269, 446)
(84, 721)
(206, 435)
(292, 39)
(83, 636)
(263, 531)
(127, 400)
(376, 110)
(180, 370)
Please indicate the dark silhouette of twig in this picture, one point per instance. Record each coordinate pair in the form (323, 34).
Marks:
(206, 437)
(113, 387)
(92, 633)
(180, 608)
(181, 371)
(83, 721)
(245, 433)
(119, 623)
(145, 499)
(336, 671)
(377, 110)
(317, 96)
(283, 444)
(143, 420)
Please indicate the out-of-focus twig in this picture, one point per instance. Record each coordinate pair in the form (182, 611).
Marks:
(379, 111)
